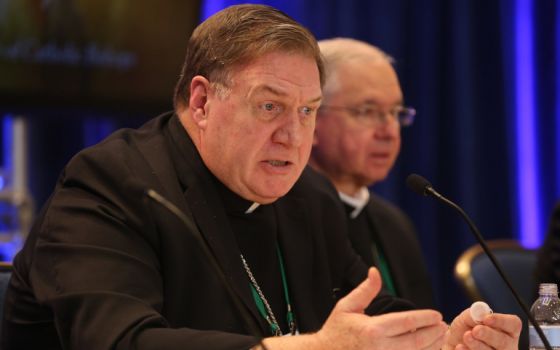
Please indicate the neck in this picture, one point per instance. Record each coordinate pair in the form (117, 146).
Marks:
(349, 189)
(341, 182)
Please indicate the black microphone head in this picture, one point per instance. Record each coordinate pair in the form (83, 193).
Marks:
(418, 184)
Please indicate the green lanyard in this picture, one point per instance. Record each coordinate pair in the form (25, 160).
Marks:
(383, 266)
(262, 304)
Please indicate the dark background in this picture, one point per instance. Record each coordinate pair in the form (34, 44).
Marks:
(457, 62)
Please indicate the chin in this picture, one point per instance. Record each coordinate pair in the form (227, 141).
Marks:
(272, 188)
(269, 196)
(372, 179)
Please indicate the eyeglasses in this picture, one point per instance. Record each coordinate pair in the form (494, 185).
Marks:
(372, 115)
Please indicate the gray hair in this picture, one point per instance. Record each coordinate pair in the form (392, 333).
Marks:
(339, 51)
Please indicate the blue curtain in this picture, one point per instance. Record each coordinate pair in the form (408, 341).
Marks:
(483, 77)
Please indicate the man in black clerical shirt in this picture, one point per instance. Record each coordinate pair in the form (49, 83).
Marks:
(103, 268)
(357, 140)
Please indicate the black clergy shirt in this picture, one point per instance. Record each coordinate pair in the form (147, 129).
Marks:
(256, 235)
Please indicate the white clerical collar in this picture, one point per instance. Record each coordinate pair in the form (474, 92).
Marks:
(358, 202)
(252, 208)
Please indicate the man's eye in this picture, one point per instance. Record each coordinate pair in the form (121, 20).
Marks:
(270, 107)
(366, 111)
(269, 110)
(307, 110)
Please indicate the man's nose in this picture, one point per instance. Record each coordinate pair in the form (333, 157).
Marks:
(290, 130)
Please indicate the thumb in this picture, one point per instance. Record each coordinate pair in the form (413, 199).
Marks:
(461, 324)
(464, 320)
(359, 298)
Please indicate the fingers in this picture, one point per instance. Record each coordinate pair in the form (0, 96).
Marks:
(418, 329)
(493, 338)
(421, 329)
(465, 319)
(498, 331)
(359, 298)
(398, 323)
(471, 343)
(431, 337)
(509, 324)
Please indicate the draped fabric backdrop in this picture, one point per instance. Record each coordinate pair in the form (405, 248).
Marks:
(483, 76)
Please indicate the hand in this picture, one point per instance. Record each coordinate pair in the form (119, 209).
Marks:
(497, 331)
(349, 328)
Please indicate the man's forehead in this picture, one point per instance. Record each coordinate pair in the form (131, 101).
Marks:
(280, 65)
(268, 89)
(277, 84)
(280, 91)
(277, 91)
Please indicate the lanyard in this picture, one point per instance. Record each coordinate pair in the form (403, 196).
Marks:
(262, 304)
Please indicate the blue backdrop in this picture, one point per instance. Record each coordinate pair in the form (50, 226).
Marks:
(483, 76)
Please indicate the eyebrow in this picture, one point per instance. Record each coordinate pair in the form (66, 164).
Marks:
(316, 99)
(267, 88)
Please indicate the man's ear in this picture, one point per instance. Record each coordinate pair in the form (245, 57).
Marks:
(200, 88)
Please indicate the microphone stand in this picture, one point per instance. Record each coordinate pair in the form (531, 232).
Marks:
(429, 190)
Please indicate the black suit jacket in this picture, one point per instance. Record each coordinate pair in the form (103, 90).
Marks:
(104, 268)
(392, 230)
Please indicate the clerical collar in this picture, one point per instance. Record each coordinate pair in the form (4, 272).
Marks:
(358, 202)
(233, 203)
(252, 208)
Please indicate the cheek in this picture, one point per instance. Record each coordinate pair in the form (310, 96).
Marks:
(355, 144)
(225, 145)
(231, 131)
(397, 147)
(332, 136)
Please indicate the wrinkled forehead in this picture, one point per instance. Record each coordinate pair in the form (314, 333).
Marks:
(279, 74)
(251, 59)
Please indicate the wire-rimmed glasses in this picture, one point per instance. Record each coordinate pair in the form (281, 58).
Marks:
(372, 115)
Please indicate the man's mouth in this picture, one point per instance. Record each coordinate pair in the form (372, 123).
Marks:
(278, 163)
(379, 155)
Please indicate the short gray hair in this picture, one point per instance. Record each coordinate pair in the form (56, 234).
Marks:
(342, 50)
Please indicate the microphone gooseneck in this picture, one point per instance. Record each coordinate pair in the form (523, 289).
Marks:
(423, 187)
(191, 228)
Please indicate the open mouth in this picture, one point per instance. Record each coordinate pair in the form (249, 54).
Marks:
(278, 163)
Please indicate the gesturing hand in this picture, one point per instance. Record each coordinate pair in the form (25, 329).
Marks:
(349, 328)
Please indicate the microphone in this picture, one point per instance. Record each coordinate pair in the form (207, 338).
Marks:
(191, 227)
(423, 187)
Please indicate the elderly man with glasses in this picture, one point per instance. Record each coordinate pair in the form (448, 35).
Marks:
(356, 143)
